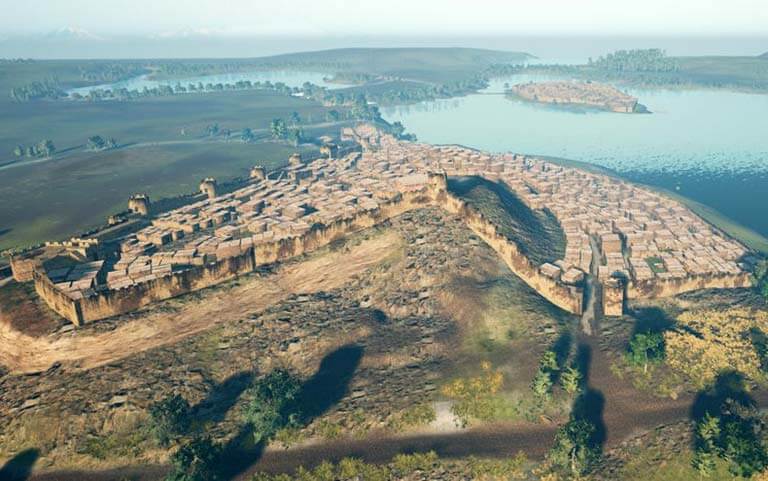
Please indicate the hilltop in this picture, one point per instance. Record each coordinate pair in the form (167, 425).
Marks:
(426, 64)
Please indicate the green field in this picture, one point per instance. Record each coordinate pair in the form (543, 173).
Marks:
(61, 198)
(69, 124)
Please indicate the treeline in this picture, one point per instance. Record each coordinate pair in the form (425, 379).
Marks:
(637, 60)
(47, 89)
(352, 78)
(111, 72)
(44, 148)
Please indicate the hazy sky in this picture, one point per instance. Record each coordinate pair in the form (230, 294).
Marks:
(386, 17)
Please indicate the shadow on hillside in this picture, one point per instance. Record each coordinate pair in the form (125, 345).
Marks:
(19, 468)
(590, 405)
(651, 319)
(222, 398)
(730, 387)
(318, 394)
(562, 350)
(5, 231)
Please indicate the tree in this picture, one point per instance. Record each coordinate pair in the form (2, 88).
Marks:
(46, 148)
(247, 135)
(278, 128)
(549, 362)
(761, 278)
(195, 461)
(573, 450)
(542, 384)
(274, 404)
(18, 151)
(295, 136)
(706, 450)
(95, 142)
(170, 418)
(294, 119)
(571, 380)
(645, 348)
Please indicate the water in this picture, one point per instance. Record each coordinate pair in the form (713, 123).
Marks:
(708, 145)
(289, 78)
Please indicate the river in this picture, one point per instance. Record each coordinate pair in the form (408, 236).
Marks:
(708, 145)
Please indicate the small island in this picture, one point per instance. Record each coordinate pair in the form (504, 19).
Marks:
(590, 94)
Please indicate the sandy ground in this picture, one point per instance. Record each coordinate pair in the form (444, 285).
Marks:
(21, 353)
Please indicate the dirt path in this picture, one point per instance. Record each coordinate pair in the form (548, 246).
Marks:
(22, 353)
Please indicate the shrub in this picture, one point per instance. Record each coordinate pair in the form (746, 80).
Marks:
(474, 397)
(170, 418)
(195, 461)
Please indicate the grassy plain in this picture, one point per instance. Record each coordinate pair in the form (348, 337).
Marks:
(63, 197)
(69, 124)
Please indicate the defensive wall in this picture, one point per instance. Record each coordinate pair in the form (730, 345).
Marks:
(103, 303)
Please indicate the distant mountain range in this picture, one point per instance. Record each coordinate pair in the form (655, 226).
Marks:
(765, 55)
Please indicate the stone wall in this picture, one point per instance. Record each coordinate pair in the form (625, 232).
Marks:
(568, 298)
(107, 303)
(57, 300)
(613, 297)
(654, 288)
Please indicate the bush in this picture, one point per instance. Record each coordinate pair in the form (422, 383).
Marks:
(170, 418)
(195, 461)
(274, 404)
(474, 397)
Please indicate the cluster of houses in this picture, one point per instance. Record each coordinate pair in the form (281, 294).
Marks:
(591, 94)
(611, 227)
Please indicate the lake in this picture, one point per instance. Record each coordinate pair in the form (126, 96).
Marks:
(289, 78)
(708, 145)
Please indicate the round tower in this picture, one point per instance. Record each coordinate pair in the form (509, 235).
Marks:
(208, 187)
(258, 173)
(139, 204)
(294, 159)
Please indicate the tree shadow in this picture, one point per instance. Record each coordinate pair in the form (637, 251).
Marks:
(19, 468)
(652, 320)
(562, 350)
(590, 404)
(330, 383)
(729, 387)
(4, 231)
(222, 398)
(317, 395)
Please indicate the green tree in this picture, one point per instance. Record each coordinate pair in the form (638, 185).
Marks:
(573, 450)
(548, 362)
(274, 404)
(195, 461)
(571, 380)
(761, 278)
(542, 384)
(170, 418)
(295, 136)
(18, 151)
(247, 135)
(46, 148)
(278, 128)
(294, 119)
(95, 142)
(707, 436)
(645, 348)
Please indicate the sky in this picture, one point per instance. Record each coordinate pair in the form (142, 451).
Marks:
(166, 18)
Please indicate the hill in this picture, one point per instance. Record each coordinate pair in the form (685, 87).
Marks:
(427, 64)
(765, 55)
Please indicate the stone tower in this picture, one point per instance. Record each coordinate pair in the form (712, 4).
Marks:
(139, 204)
(294, 159)
(208, 187)
(258, 173)
(328, 150)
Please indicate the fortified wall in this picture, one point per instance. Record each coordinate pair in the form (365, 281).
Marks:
(104, 303)
(266, 221)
